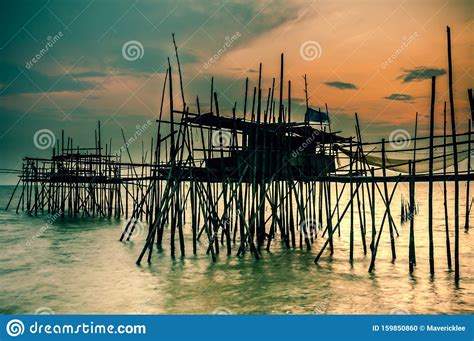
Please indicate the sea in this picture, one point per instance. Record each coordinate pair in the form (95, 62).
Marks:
(50, 265)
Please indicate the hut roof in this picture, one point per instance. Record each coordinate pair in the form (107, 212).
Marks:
(295, 128)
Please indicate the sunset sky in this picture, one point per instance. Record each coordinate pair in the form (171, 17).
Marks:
(375, 58)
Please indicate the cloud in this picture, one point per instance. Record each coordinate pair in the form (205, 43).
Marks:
(341, 85)
(88, 74)
(400, 97)
(420, 73)
(16, 80)
(101, 30)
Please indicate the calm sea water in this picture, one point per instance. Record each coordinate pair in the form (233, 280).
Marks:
(79, 267)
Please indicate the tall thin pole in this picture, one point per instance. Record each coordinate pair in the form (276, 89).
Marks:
(445, 192)
(179, 72)
(411, 258)
(280, 109)
(455, 155)
(430, 184)
(387, 201)
(471, 104)
(468, 197)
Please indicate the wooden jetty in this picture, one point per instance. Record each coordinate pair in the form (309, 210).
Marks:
(240, 181)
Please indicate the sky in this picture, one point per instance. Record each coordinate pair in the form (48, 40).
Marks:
(66, 65)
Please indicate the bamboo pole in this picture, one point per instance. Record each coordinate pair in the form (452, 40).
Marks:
(387, 203)
(468, 196)
(430, 183)
(445, 193)
(455, 156)
(411, 257)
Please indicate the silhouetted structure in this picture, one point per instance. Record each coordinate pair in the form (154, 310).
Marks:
(245, 179)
